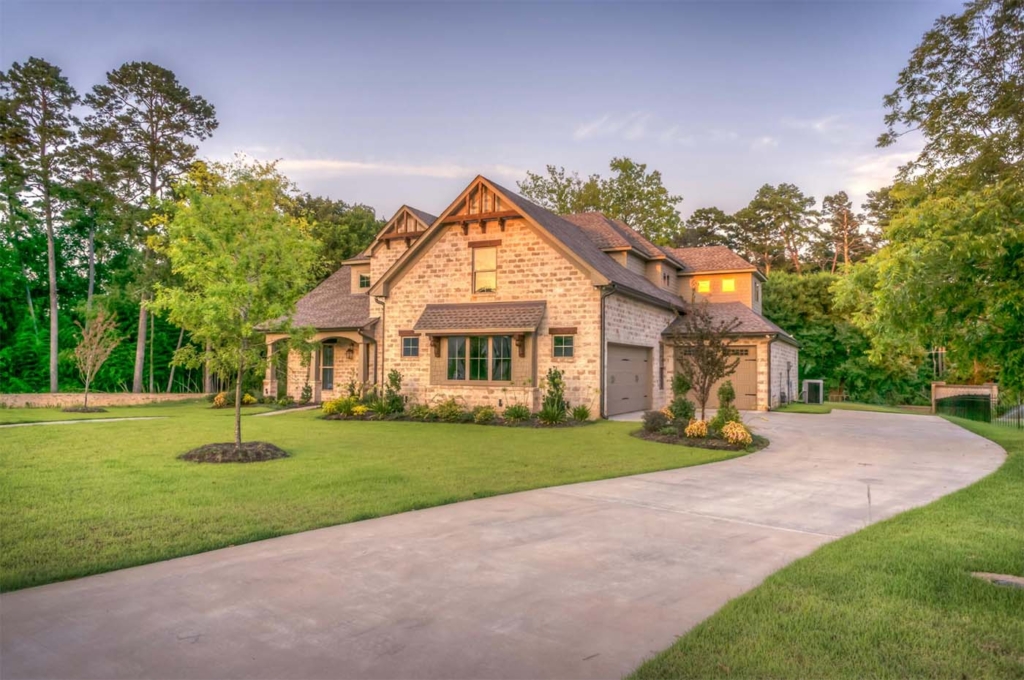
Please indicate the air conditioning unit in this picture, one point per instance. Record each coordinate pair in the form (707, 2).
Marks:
(814, 392)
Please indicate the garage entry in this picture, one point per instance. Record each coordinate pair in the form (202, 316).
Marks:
(744, 380)
(629, 379)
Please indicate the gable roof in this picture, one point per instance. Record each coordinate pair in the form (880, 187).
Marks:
(611, 234)
(333, 305)
(422, 215)
(711, 259)
(750, 322)
(577, 241)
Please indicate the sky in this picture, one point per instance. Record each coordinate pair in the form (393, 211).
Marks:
(404, 103)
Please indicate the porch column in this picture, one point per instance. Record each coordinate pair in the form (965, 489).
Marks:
(270, 378)
(314, 375)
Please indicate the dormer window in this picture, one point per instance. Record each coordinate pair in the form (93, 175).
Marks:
(485, 270)
(728, 285)
(364, 281)
(666, 280)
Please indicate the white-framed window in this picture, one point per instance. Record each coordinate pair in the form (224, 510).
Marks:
(485, 269)
(327, 367)
(410, 346)
(563, 346)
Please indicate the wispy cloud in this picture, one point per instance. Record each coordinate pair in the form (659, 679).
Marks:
(674, 135)
(632, 126)
(822, 125)
(868, 172)
(764, 143)
(331, 167)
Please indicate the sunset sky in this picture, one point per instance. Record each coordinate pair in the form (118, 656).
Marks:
(390, 103)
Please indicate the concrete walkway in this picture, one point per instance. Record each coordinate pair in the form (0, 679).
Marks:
(580, 581)
(82, 420)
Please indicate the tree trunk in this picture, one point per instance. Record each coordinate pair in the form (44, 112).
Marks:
(140, 348)
(51, 262)
(152, 336)
(85, 403)
(238, 405)
(170, 380)
(92, 270)
(31, 307)
(207, 373)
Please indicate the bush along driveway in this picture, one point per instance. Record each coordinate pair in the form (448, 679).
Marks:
(573, 581)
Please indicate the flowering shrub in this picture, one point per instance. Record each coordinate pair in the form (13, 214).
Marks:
(248, 399)
(342, 406)
(697, 429)
(360, 410)
(221, 400)
(735, 433)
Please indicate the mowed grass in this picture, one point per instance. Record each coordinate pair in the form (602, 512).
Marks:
(896, 600)
(796, 407)
(15, 416)
(91, 497)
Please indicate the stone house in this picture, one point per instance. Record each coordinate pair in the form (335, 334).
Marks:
(479, 302)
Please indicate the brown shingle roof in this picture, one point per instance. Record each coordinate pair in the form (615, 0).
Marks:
(608, 233)
(478, 316)
(332, 304)
(423, 216)
(710, 259)
(750, 322)
(577, 241)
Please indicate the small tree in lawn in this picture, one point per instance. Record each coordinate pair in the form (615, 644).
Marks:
(241, 263)
(702, 343)
(99, 339)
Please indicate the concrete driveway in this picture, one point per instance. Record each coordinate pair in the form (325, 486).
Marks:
(568, 582)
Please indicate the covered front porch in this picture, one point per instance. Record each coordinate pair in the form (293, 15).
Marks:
(340, 360)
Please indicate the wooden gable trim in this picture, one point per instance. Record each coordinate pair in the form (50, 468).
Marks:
(480, 217)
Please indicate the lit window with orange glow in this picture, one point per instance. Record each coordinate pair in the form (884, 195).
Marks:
(728, 285)
(704, 286)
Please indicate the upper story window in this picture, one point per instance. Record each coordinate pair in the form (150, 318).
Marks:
(728, 285)
(757, 291)
(364, 280)
(666, 280)
(704, 286)
(485, 270)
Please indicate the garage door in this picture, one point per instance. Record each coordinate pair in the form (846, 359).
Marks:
(744, 380)
(629, 379)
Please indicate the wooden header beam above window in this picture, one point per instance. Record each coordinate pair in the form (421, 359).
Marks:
(562, 330)
(485, 244)
(480, 217)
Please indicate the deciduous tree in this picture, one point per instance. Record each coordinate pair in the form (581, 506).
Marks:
(99, 339)
(241, 264)
(702, 345)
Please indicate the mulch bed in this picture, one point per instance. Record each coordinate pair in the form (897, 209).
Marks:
(248, 452)
(83, 409)
(713, 443)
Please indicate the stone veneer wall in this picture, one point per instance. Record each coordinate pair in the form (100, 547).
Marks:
(63, 399)
(632, 322)
(781, 353)
(529, 268)
(382, 259)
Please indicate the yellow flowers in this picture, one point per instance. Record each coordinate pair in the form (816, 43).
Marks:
(360, 410)
(735, 433)
(697, 429)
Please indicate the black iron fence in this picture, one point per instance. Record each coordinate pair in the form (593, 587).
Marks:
(1006, 411)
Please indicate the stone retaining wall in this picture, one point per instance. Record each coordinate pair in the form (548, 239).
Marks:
(63, 399)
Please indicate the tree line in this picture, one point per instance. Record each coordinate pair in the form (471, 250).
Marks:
(85, 183)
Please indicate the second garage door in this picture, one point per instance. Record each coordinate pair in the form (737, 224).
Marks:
(629, 379)
(744, 380)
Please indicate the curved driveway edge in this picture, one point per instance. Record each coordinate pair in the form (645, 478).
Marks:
(584, 580)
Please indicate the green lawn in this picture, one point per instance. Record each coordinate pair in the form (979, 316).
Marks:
(10, 416)
(828, 406)
(91, 497)
(895, 600)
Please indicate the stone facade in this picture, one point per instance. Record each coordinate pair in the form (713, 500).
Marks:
(784, 376)
(633, 322)
(528, 268)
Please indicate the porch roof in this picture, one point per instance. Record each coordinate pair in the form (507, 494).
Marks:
(522, 317)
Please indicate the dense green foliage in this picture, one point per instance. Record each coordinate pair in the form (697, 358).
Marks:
(337, 472)
(835, 350)
(895, 600)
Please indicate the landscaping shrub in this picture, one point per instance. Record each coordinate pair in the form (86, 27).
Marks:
(484, 415)
(667, 431)
(221, 400)
(341, 406)
(581, 413)
(697, 429)
(393, 402)
(360, 410)
(682, 410)
(516, 413)
(655, 421)
(449, 410)
(552, 414)
(419, 412)
(736, 434)
(726, 413)
(307, 394)
(248, 400)
(286, 401)
(554, 402)
(380, 407)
